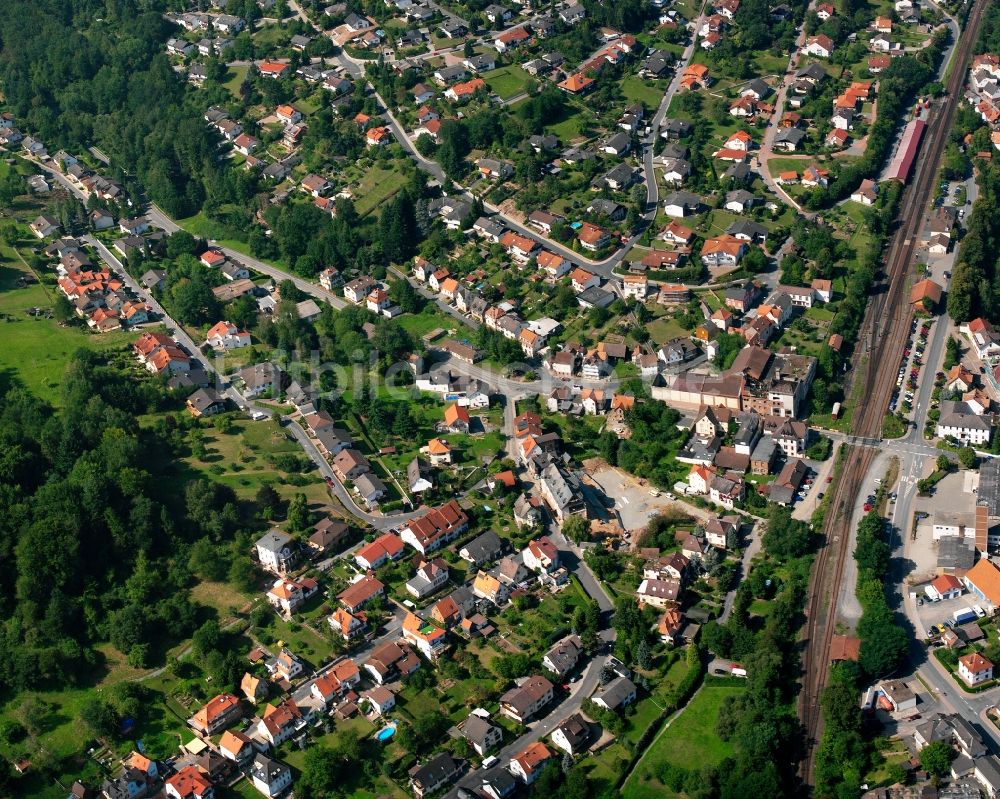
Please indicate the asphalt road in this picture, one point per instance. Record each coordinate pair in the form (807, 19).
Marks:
(566, 704)
(160, 219)
(378, 521)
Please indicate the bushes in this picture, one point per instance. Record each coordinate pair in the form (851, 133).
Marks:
(843, 757)
(898, 85)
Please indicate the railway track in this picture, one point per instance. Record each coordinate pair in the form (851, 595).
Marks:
(886, 327)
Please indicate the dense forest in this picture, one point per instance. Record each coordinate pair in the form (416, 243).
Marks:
(975, 288)
(95, 526)
(94, 71)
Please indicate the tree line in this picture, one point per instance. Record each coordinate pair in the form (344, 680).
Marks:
(974, 288)
(844, 755)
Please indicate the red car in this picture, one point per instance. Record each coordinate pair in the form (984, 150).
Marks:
(868, 507)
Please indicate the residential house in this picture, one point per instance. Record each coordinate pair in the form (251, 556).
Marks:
(276, 552)
(430, 640)
(236, 746)
(486, 586)
(219, 712)
(958, 421)
(572, 735)
(526, 700)
(390, 660)
(483, 736)
(380, 699)
(270, 777)
(658, 593)
(484, 548)
(820, 46)
(435, 774)
(527, 765)
(562, 658)
(189, 783)
(288, 596)
(618, 693)
(360, 593)
(347, 624)
(437, 527)
(429, 578)
(974, 669)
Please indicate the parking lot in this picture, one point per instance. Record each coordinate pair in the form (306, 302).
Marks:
(932, 613)
(909, 369)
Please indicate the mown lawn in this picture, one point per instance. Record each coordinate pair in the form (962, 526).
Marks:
(233, 84)
(690, 739)
(665, 329)
(419, 325)
(507, 81)
(637, 90)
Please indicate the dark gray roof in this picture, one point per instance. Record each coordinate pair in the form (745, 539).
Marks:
(204, 398)
(989, 486)
(746, 227)
(415, 470)
(564, 654)
(620, 173)
(267, 770)
(674, 150)
(619, 141)
(594, 296)
(608, 207)
(682, 198)
(435, 770)
(616, 691)
(368, 485)
(738, 171)
(790, 135)
(575, 729)
(813, 71)
(500, 780)
(476, 729)
(273, 541)
(485, 547)
(679, 127)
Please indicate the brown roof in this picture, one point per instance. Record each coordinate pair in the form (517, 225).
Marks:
(925, 290)
(845, 647)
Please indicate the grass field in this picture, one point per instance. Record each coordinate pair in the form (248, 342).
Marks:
(569, 129)
(430, 318)
(233, 84)
(637, 91)
(239, 459)
(507, 81)
(375, 187)
(690, 739)
(200, 225)
(664, 329)
(35, 350)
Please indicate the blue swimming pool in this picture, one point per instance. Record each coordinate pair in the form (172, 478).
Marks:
(386, 733)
